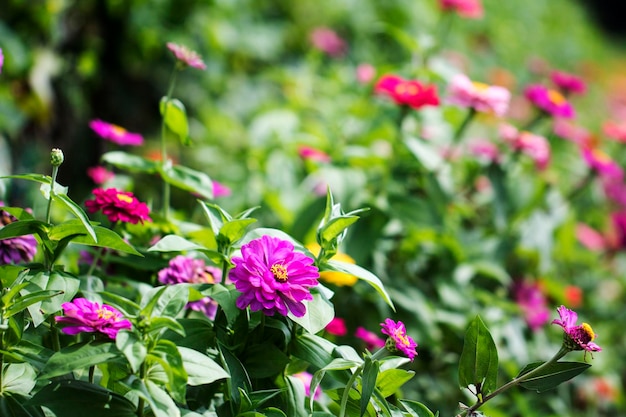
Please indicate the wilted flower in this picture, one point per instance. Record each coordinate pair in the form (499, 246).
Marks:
(576, 337)
(601, 163)
(182, 269)
(327, 40)
(371, 339)
(337, 327)
(306, 379)
(84, 316)
(478, 96)
(550, 101)
(15, 249)
(472, 9)
(220, 190)
(99, 174)
(533, 304)
(407, 92)
(312, 154)
(568, 83)
(273, 277)
(335, 277)
(118, 206)
(115, 133)
(398, 340)
(186, 56)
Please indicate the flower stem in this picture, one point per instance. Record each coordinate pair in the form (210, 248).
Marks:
(55, 171)
(581, 186)
(346, 392)
(535, 121)
(54, 334)
(515, 381)
(164, 159)
(461, 129)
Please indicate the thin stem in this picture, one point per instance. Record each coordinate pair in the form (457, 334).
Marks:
(95, 261)
(54, 334)
(581, 186)
(140, 403)
(461, 129)
(346, 392)
(55, 171)
(164, 159)
(515, 381)
(535, 121)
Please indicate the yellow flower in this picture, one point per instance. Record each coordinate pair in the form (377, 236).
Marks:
(337, 278)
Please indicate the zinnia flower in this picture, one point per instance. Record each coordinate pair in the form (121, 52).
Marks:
(327, 41)
(17, 249)
(407, 92)
(590, 238)
(550, 101)
(1, 60)
(478, 96)
(118, 206)
(371, 339)
(220, 190)
(398, 340)
(484, 150)
(535, 146)
(312, 154)
(533, 304)
(115, 133)
(337, 327)
(472, 9)
(84, 316)
(186, 56)
(365, 73)
(568, 83)
(182, 269)
(335, 277)
(602, 163)
(272, 277)
(99, 174)
(613, 130)
(576, 337)
(306, 379)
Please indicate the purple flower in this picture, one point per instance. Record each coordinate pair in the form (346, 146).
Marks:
(272, 277)
(569, 83)
(220, 190)
(182, 269)
(306, 379)
(550, 101)
(186, 56)
(576, 337)
(533, 304)
(84, 316)
(371, 339)
(15, 249)
(398, 340)
(1, 60)
(115, 133)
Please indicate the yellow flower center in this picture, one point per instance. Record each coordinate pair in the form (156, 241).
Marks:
(480, 86)
(280, 272)
(406, 88)
(118, 130)
(105, 314)
(600, 156)
(402, 338)
(556, 97)
(588, 330)
(124, 198)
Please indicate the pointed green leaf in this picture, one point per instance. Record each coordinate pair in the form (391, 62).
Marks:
(552, 375)
(168, 301)
(129, 162)
(188, 179)
(78, 212)
(390, 380)
(295, 397)
(175, 116)
(157, 398)
(234, 230)
(14, 405)
(368, 383)
(170, 359)
(132, 347)
(174, 243)
(200, 368)
(21, 303)
(79, 356)
(18, 378)
(215, 215)
(336, 227)
(23, 228)
(360, 273)
(105, 237)
(416, 409)
(319, 312)
(42, 179)
(479, 359)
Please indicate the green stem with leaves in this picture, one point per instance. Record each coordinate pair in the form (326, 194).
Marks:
(164, 158)
(55, 172)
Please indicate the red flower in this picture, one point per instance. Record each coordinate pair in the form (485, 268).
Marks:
(407, 92)
(118, 206)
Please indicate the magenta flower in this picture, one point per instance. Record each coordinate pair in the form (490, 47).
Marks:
(337, 327)
(472, 9)
(407, 92)
(182, 269)
(327, 41)
(84, 316)
(99, 174)
(398, 340)
(550, 101)
(1, 60)
(312, 154)
(371, 339)
(306, 379)
(568, 83)
(115, 133)
(602, 163)
(273, 278)
(220, 190)
(533, 304)
(186, 56)
(17, 249)
(614, 130)
(618, 236)
(118, 206)
(478, 96)
(576, 337)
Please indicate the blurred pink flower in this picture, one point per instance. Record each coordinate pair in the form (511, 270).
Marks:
(118, 206)
(550, 101)
(578, 337)
(312, 154)
(186, 56)
(372, 341)
(614, 189)
(590, 238)
(568, 83)
(534, 146)
(115, 133)
(220, 190)
(16, 249)
(306, 379)
(601, 163)
(327, 40)
(407, 92)
(99, 174)
(614, 130)
(398, 341)
(478, 96)
(365, 73)
(84, 316)
(337, 327)
(617, 236)
(570, 131)
(484, 150)
(1, 60)
(472, 9)
(532, 302)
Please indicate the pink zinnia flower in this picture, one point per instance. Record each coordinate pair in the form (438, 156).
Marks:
(99, 174)
(306, 379)
(568, 83)
(371, 339)
(1, 60)
(616, 131)
(17, 249)
(365, 73)
(337, 327)
(220, 190)
(312, 154)
(618, 222)
(550, 101)
(186, 56)
(407, 92)
(485, 150)
(273, 277)
(182, 269)
(590, 238)
(118, 206)
(472, 9)
(115, 133)
(398, 340)
(614, 189)
(570, 131)
(327, 41)
(478, 96)
(601, 163)
(533, 304)
(84, 316)
(576, 337)
(534, 146)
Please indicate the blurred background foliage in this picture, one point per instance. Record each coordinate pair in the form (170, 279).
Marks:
(266, 91)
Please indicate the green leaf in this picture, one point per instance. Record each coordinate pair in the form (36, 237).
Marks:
(200, 368)
(215, 215)
(174, 243)
(390, 380)
(78, 212)
(368, 382)
(23, 228)
(226, 298)
(21, 303)
(132, 347)
(478, 364)
(170, 359)
(129, 162)
(79, 356)
(335, 227)
(264, 360)
(238, 376)
(168, 300)
(416, 409)
(234, 230)
(314, 349)
(18, 378)
(188, 179)
(57, 281)
(14, 405)
(157, 398)
(319, 312)
(295, 397)
(175, 117)
(42, 179)
(25, 351)
(552, 375)
(105, 238)
(360, 273)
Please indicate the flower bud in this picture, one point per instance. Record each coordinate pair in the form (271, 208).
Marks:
(56, 157)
